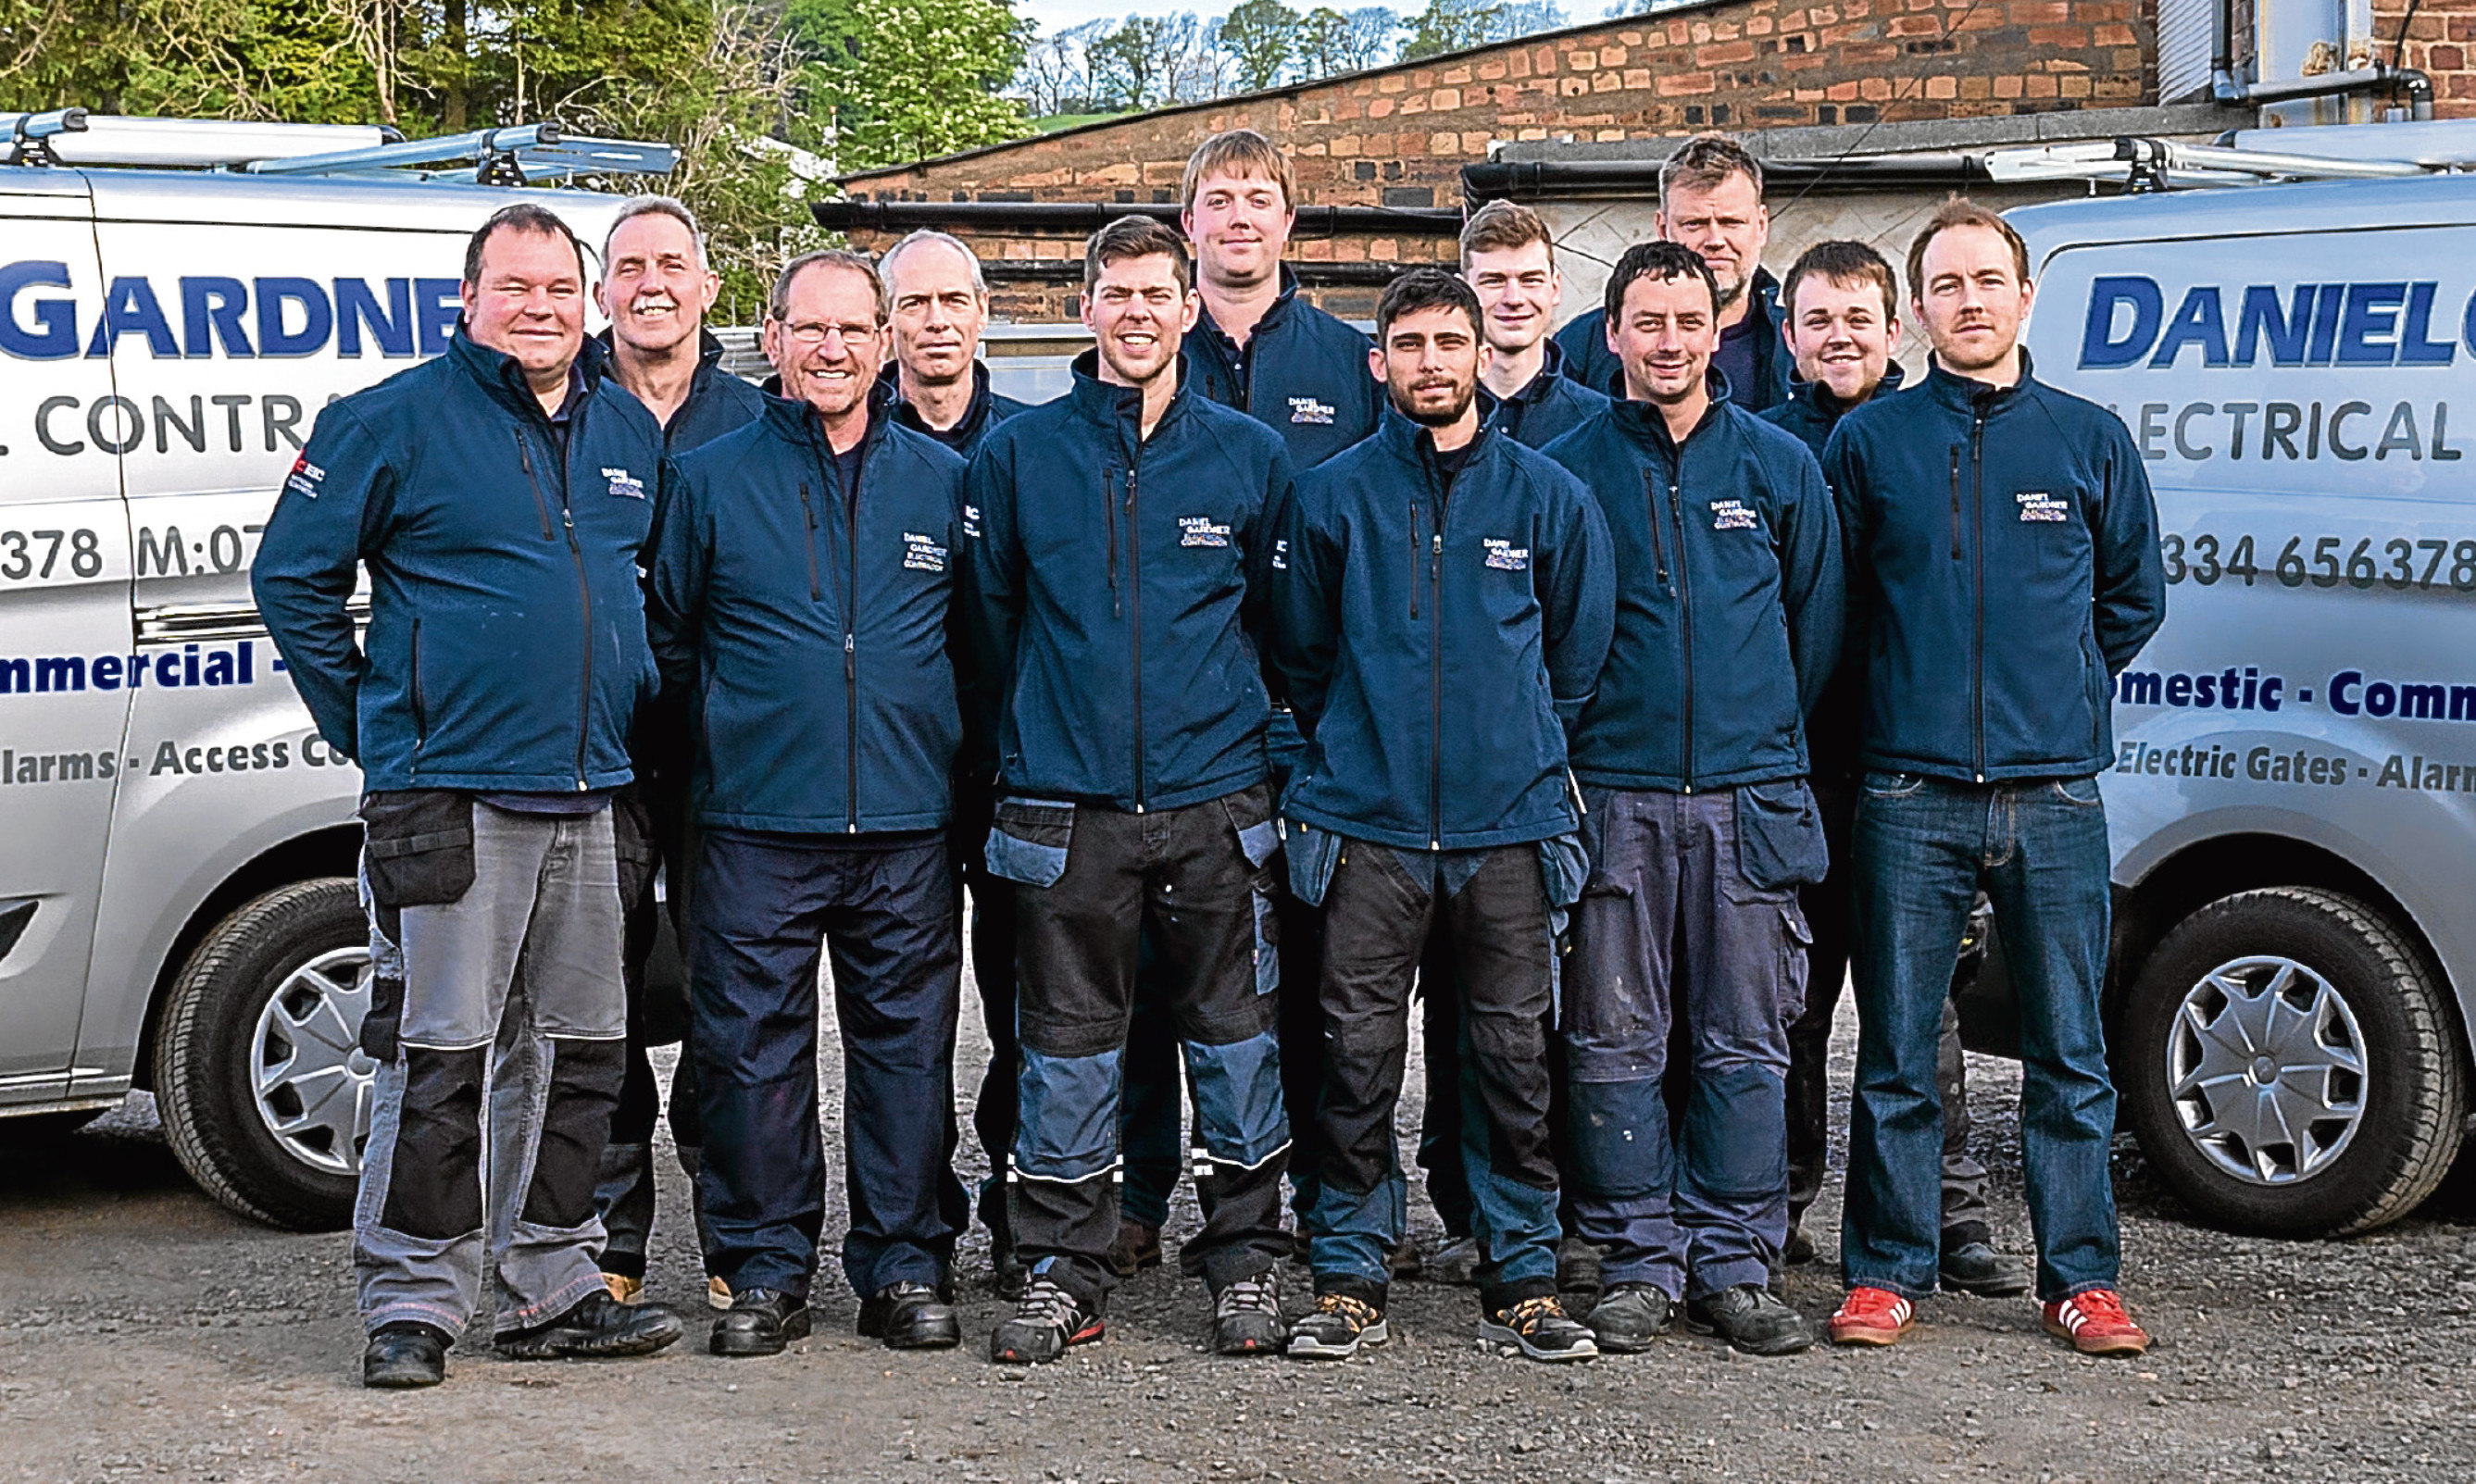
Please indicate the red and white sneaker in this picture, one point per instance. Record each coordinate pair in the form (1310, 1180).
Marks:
(1872, 1316)
(2096, 1324)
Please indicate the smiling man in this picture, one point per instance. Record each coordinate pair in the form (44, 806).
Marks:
(801, 594)
(657, 288)
(1119, 543)
(2004, 565)
(1710, 200)
(1509, 259)
(488, 709)
(1692, 761)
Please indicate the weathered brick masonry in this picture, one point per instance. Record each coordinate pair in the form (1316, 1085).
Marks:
(1399, 136)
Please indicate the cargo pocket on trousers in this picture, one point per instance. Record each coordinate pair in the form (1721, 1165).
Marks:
(1250, 815)
(1796, 967)
(1028, 840)
(1779, 835)
(1268, 945)
(1313, 854)
(631, 841)
(417, 847)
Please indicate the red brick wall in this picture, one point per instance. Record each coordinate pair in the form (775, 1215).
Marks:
(2442, 42)
(1399, 137)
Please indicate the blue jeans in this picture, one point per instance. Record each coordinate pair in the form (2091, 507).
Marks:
(1924, 848)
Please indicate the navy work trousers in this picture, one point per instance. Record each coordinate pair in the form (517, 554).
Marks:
(767, 909)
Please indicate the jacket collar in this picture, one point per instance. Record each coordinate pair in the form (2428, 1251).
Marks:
(802, 423)
(498, 373)
(1121, 408)
(1972, 397)
(975, 413)
(1410, 441)
(1819, 401)
(1227, 346)
(1538, 390)
(1642, 420)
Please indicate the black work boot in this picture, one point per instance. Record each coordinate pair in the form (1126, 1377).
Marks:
(1975, 1268)
(1749, 1318)
(1136, 1246)
(910, 1317)
(404, 1357)
(598, 1328)
(761, 1321)
(1630, 1317)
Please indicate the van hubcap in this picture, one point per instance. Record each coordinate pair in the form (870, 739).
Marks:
(2266, 1065)
(312, 1083)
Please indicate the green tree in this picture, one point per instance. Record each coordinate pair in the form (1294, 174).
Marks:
(898, 80)
(1451, 25)
(1261, 37)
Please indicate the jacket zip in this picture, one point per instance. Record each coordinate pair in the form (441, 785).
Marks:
(1413, 561)
(576, 553)
(1955, 502)
(1684, 612)
(1658, 546)
(1977, 458)
(1436, 684)
(1109, 527)
(1135, 586)
(810, 511)
(420, 712)
(851, 637)
(541, 506)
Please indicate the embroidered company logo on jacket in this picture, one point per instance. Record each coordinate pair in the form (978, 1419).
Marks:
(1307, 410)
(1201, 530)
(922, 553)
(2038, 505)
(1505, 557)
(1734, 515)
(624, 486)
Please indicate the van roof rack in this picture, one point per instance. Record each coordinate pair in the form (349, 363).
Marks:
(518, 155)
(2149, 165)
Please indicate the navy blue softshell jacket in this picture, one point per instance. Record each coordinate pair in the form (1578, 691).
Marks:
(1438, 638)
(1589, 361)
(1550, 406)
(986, 410)
(1727, 598)
(717, 401)
(1118, 599)
(1831, 728)
(507, 640)
(808, 624)
(2003, 564)
(1303, 373)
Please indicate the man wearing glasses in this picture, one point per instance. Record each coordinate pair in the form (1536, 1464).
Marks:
(800, 586)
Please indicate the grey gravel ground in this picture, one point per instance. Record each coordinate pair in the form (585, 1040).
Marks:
(146, 1333)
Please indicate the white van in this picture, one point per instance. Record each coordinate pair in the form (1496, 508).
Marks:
(2293, 799)
(177, 302)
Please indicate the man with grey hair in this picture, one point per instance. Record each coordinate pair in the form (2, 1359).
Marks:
(802, 582)
(1710, 200)
(656, 286)
(937, 300)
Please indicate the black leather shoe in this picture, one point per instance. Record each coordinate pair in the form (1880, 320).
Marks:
(761, 1321)
(1974, 1268)
(404, 1356)
(600, 1327)
(1749, 1318)
(910, 1317)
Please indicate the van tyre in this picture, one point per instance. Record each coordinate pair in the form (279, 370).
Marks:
(2374, 1142)
(219, 1040)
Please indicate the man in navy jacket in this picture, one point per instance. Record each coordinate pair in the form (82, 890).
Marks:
(657, 288)
(498, 498)
(1509, 261)
(1117, 540)
(802, 593)
(2003, 566)
(1710, 200)
(1444, 603)
(1261, 347)
(937, 300)
(1692, 757)
(1839, 312)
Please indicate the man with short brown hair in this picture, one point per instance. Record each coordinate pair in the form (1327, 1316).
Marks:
(1509, 259)
(1133, 801)
(2002, 544)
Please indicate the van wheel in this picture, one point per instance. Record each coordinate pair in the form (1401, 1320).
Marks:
(259, 1071)
(2290, 1066)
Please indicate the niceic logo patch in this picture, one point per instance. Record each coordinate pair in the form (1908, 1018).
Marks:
(304, 477)
(2038, 505)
